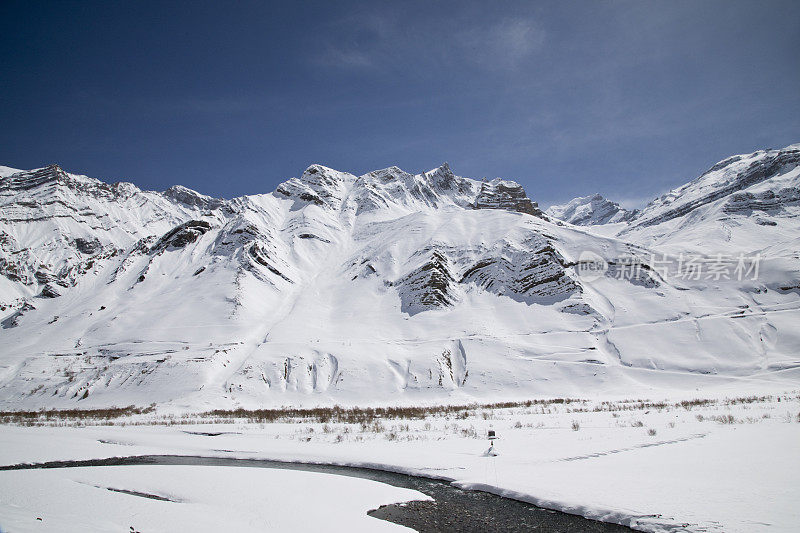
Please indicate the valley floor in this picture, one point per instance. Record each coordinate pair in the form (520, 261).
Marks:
(709, 464)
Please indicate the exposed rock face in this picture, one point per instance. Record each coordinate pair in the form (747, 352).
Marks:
(508, 195)
(429, 286)
(49, 291)
(394, 188)
(87, 246)
(768, 201)
(534, 274)
(184, 234)
(259, 256)
(27, 180)
(590, 211)
(531, 271)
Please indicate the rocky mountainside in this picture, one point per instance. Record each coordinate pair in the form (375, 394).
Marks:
(387, 287)
(591, 210)
(733, 175)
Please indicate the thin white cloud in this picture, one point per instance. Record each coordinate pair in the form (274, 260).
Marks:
(384, 39)
(636, 202)
(342, 57)
(507, 42)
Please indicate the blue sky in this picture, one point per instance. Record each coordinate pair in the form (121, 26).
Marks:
(626, 98)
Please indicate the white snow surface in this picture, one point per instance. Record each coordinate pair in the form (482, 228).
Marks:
(385, 288)
(201, 499)
(7, 171)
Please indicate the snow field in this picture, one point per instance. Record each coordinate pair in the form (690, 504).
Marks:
(708, 464)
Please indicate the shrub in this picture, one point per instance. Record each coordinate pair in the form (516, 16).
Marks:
(469, 433)
(725, 419)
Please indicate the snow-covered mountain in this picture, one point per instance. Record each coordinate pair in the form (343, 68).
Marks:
(745, 202)
(590, 210)
(386, 287)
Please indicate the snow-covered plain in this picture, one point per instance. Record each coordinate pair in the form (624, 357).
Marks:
(197, 499)
(724, 466)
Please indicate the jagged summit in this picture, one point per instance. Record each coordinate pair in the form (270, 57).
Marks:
(191, 198)
(395, 188)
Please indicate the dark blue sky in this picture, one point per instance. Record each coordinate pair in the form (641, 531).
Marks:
(569, 98)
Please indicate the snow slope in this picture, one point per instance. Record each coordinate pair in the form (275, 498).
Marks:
(386, 287)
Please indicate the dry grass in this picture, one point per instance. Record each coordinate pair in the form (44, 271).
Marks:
(370, 418)
(46, 415)
(358, 415)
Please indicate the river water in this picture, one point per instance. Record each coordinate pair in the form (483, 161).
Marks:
(452, 509)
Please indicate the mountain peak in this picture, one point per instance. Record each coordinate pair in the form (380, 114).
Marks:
(730, 175)
(31, 179)
(191, 198)
(590, 210)
(441, 174)
(507, 195)
(319, 185)
(316, 168)
(387, 174)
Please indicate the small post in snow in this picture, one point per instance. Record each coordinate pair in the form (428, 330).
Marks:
(492, 437)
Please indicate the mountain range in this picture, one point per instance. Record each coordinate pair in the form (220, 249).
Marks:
(393, 287)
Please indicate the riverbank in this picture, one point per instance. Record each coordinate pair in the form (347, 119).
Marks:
(428, 505)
